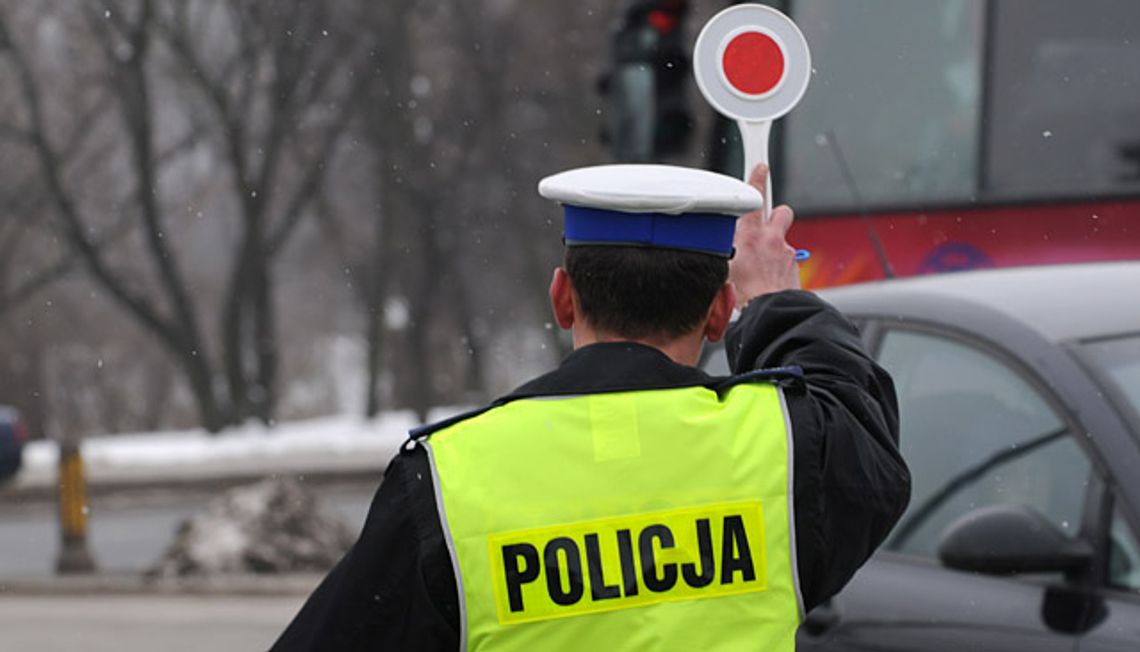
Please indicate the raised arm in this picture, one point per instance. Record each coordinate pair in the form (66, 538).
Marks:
(851, 484)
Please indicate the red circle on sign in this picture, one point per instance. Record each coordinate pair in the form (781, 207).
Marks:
(753, 63)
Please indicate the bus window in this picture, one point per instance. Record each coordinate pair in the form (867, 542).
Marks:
(898, 84)
(1065, 105)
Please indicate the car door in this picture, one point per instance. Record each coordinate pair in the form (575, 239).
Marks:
(1114, 610)
(1113, 606)
(977, 430)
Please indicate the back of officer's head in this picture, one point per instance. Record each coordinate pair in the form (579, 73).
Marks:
(637, 292)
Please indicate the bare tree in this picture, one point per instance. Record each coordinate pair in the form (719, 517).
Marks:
(457, 159)
(411, 256)
(128, 120)
(294, 64)
(280, 86)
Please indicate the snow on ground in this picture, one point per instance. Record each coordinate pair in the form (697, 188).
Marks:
(348, 443)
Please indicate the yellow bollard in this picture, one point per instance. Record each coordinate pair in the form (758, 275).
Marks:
(74, 556)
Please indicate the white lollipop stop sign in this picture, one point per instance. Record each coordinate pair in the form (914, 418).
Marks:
(753, 65)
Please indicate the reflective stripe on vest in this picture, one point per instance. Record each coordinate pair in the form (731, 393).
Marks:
(647, 520)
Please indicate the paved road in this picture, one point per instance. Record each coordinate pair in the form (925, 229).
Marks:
(124, 623)
(127, 534)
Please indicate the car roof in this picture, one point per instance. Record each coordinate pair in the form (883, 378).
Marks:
(1061, 302)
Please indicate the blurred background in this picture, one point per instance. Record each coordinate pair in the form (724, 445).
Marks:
(219, 211)
(215, 211)
(250, 238)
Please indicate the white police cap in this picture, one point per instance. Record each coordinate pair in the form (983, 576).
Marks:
(661, 206)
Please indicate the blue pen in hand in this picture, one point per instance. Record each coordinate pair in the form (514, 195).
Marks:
(802, 255)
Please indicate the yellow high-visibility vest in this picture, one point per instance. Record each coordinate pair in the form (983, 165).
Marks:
(641, 520)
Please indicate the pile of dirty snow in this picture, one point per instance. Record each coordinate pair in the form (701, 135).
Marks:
(273, 526)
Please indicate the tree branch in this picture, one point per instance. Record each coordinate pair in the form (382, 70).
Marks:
(14, 134)
(60, 269)
(74, 229)
(314, 175)
(129, 75)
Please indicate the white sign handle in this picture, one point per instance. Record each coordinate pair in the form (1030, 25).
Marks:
(754, 138)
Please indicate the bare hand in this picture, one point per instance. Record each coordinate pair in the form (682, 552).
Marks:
(764, 261)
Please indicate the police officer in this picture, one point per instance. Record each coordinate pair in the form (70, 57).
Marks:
(627, 500)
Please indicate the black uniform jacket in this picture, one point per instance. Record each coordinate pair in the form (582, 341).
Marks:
(395, 589)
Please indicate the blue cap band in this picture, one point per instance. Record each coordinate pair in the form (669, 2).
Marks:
(709, 233)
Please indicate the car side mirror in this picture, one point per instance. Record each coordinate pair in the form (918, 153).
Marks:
(1008, 539)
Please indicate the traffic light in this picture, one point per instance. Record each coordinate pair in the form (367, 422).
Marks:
(645, 86)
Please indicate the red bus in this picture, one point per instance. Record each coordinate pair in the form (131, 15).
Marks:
(956, 134)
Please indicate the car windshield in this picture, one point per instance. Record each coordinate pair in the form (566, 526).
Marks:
(1119, 359)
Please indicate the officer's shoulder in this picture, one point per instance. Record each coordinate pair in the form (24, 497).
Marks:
(421, 433)
(792, 374)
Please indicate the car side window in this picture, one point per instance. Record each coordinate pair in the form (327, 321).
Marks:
(1124, 556)
(975, 433)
